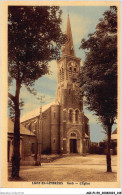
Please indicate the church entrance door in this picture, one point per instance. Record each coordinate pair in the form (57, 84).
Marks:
(73, 146)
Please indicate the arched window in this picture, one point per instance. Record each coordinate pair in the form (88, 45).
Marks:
(70, 72)
(70, 115)
(76, 115)
(62, 74)
(73, 134)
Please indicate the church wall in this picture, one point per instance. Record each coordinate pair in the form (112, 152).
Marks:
(64, 137)
(70, 99)
(46, 131)
(55, 129)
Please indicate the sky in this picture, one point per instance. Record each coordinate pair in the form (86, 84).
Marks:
(83, 20)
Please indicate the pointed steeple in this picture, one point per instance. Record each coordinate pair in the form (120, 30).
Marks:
(68, 48)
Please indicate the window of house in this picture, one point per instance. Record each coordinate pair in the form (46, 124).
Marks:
(33, 148)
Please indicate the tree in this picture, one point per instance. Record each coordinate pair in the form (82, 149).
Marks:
(34, 39)
(98, 78)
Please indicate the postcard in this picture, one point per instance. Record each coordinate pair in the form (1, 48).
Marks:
(60, 94)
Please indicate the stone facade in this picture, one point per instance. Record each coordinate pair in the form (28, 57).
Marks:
(63, 126)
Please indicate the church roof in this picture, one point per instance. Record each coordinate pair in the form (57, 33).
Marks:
(68, 48)
(23, 130)
(36, 112)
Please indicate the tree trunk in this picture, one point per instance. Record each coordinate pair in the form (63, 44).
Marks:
(16, 144)
(108, 156)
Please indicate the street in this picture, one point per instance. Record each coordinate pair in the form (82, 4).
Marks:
(90, 168)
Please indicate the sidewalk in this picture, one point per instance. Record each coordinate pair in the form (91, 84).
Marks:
(91, 168)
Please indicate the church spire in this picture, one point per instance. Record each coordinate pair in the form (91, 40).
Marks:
(68, 48)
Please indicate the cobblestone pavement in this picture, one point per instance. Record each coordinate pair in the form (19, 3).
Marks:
(77, 168)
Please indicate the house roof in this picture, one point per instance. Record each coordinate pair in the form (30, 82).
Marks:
(115, 131)
(23, 130)
(36, 112)
(114, 135)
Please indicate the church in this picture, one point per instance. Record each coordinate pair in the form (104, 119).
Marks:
(61, 126)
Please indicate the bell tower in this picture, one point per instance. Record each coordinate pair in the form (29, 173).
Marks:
(68, 72)
(68, 97)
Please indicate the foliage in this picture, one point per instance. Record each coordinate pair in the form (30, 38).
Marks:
(99, 72)
(34, 38)
(12, 108)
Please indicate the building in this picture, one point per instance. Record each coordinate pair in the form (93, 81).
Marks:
(114, 138)
(27, 143)
(62, 126)
(113, 145)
